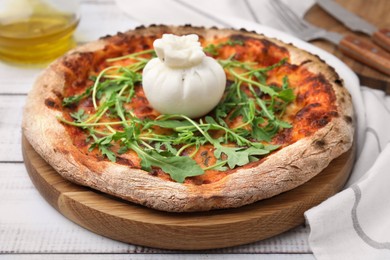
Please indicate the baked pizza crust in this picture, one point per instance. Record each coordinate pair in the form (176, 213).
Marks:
(279, 172)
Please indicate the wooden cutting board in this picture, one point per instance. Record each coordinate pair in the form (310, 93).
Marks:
(134, 224)
(375, 12)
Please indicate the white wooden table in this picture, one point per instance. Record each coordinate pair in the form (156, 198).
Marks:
(31, 229)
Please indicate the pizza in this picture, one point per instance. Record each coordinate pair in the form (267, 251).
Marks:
(283, 116)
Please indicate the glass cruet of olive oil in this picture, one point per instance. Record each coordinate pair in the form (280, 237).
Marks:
(36, 31)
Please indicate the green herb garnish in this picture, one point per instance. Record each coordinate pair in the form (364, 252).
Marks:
(213, 49)
(248, 100)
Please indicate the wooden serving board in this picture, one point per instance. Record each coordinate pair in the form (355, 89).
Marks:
(134, 224)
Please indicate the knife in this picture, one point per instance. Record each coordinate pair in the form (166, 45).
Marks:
(374, 83)
(355, 23)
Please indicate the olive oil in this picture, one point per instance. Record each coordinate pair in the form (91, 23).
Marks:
(39, 35)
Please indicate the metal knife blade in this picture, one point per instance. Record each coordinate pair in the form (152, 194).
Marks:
(380, 36)
(351, 20)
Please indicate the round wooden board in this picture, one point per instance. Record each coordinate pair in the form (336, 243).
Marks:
(134, 224)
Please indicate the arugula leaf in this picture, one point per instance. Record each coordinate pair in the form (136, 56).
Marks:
(233, 42)
(268, 90)
(80, 115)
(168, 124)
(256, 151)
(260, 76)
(287, 95)
(261, 134)
(213, 49)
(76, 98)
(282, 124)
(178, 167)
(107, 152)
(234, 156)
(168, 147)
(104, 144)
(238, 156)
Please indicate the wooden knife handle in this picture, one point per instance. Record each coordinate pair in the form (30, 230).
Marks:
(366, 52)
(382, 38)
(374, 83)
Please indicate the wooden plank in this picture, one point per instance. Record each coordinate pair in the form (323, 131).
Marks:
(105, 16)
(29, 225)
(11, 110)
(159, 257)
(17, 79)
(187, 13)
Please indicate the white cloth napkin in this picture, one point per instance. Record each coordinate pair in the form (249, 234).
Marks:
(206, 12)
(355, 223)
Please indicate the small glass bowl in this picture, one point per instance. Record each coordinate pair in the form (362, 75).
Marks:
(37, 31)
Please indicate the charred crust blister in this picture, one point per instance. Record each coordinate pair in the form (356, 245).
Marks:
(333, 113)
(125, 161)
(58, 94)
(50, 103)
(105, 37)
(348, 119)
(205, 157)
(305, 62)
(339, 82)
(321, 122)
(140, 27)
(153, 172)
(239, 37)
(302, 113)
(319, 143)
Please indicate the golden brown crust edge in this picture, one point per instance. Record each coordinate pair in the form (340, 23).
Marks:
(281, 171)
